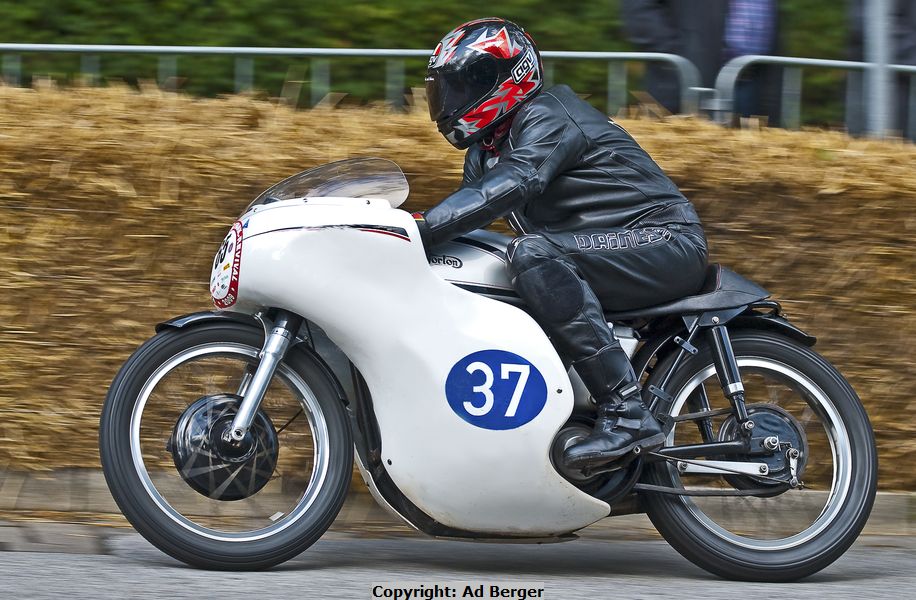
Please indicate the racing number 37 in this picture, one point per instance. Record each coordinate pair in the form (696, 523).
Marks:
(494, 389)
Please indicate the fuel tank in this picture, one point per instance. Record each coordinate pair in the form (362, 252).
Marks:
(477, 263)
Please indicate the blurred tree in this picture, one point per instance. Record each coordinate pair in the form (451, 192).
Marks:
(818, 29)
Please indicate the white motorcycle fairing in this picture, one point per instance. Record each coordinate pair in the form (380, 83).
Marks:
(356, 267)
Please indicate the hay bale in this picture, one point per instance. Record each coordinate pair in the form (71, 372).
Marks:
(113, 203)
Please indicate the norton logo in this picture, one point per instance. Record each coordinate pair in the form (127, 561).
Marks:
(445, 260)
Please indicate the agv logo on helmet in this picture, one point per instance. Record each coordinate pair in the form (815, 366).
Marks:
(527, 65)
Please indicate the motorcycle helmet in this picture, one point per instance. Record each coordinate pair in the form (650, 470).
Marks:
(479, 75)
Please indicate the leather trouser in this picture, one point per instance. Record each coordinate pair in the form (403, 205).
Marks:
(569, 279)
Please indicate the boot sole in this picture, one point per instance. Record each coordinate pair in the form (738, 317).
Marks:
(589, 461)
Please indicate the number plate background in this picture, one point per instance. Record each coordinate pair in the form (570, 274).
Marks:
(461, 383)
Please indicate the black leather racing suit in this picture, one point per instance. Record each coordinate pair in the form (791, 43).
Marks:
(601, 226)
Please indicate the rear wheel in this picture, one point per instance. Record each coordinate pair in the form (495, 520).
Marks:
(777, 534)
(201, 501)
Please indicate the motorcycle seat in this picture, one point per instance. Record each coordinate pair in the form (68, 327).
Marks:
(722, 288)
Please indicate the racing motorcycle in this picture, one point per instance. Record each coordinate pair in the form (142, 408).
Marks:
(228, 438)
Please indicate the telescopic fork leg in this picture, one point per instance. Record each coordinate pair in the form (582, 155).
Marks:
(276, 343)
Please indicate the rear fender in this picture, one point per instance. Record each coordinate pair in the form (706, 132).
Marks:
(771, 322)
(663, 342)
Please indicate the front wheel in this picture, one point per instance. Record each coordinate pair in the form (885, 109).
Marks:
(208, 503)
(775, 534)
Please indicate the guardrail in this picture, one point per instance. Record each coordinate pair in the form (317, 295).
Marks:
(723, 101)
(321, 68)
(719, 100)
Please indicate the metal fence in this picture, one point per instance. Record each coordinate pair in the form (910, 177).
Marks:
(320, 68)
(717, 101)
(723, 96)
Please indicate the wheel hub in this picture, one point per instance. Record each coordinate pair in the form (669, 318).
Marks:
(207, 458)
(778, 432)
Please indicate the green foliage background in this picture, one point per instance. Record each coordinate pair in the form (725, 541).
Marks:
(814, 28)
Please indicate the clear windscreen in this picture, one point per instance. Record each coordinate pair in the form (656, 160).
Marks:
(353, 178)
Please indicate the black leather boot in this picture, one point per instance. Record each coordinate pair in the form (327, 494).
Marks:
(624, 424)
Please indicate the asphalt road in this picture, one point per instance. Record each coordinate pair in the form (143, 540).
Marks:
(342, 566)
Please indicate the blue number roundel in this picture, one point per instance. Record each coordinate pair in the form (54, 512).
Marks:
(495, 389)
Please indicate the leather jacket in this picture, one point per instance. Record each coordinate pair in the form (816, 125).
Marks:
(564, 166)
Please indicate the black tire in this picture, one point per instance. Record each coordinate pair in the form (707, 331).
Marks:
(157, 526)
(685, 531)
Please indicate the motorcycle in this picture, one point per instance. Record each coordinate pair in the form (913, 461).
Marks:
(228, 438)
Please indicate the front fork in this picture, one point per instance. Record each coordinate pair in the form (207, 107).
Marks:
(280, 333)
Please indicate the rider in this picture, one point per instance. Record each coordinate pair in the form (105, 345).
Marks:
(600, 226)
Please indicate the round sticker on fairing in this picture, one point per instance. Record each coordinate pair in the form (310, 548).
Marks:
(495, 389)
(224, 279)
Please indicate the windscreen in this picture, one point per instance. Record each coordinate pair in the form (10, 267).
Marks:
(353, 178)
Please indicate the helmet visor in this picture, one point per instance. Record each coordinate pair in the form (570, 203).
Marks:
(449, 91)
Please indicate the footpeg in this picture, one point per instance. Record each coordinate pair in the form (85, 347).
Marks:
(649, 445)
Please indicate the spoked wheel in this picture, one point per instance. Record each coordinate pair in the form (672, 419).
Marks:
(192, 491)
(782, 532)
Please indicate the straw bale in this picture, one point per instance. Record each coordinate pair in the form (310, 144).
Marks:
(113, 202)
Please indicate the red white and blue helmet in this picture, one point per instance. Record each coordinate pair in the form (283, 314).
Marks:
(479, 75)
